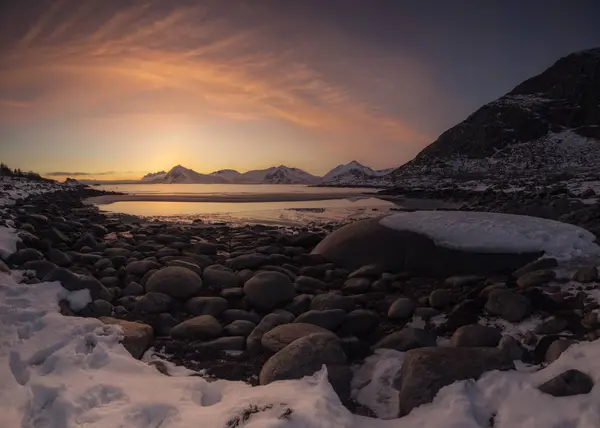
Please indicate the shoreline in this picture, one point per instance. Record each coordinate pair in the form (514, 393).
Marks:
(289, 197)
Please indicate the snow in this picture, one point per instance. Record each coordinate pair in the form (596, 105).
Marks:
(77, 299)
(355, 173)
(67, 371)
(16, 188)
(8, 241)
(495, 232)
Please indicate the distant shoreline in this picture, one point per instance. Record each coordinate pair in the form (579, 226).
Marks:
(284, 197)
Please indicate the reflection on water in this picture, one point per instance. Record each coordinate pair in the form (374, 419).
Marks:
(151, 209)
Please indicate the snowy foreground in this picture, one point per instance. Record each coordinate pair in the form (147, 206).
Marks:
(61, 371)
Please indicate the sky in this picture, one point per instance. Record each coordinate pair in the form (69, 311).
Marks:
(115, 89)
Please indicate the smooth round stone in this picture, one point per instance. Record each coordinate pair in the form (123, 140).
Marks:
(198, 328)
(402, 308)
(439, 299)
(240, 328)
(268, 290)
(206, 306)
(329, 319)
(175, 281)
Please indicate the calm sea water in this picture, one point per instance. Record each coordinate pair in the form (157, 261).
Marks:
(349, 202)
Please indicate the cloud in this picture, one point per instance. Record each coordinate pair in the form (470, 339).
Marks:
(147, 61)
(78, 174)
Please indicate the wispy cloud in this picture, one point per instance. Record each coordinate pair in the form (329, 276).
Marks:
(97, 65)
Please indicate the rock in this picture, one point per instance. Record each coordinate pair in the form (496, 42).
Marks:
(219, 279)
(511, 347)
(23, 256)
(299, 304)
(133, 289)
(357, 285)
(406, 339)
(306, 356)
(198, 328)
(439, 299)
(41, 267)
(535, 278)
(268, 290)
(586, 274)
(205, 248)
(366, 242)
(552, 325)
(402, 308)
(359, 322)
(141, 267)
(476, 335)
(568, 383)
(279, 337)
(460, 281)
(164, 323)
(323, 302)
(87, 240)
(508, 305)
(188, 265)
(175, 281)
(30, 240)
(99, 230)
(329, 319)
(103, 264)
(368, 271)
(426, 313)
(110, 282)
(240, 328)
(101, 308)
(232, 343)
(268, 323)
(72, 282)
(137, 337)
(231, 315)
(248, 261)
(153, 303)
(427, 370)
(306, 284)
(355, 348)
(206, 306)
(540, 264)
(117, 252)
(556, 349)
(58, 258)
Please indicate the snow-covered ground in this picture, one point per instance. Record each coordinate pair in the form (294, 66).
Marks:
(496, 232)
(13, 189)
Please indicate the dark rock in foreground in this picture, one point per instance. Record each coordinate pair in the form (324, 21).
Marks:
(566, 384)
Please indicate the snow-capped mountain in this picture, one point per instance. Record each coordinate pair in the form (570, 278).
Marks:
(548, 124)
(230, 175)
(154, 176)
(353, 173)
(279, 175)
(181, 175)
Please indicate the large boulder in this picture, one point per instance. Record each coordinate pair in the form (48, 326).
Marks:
(175, 281)
(367, 242)
(306, 356)
(427, 370)
(267, 290)
(137, 337)
(284, 334)
(198, 328)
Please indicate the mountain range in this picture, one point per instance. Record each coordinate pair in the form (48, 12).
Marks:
(341, 174)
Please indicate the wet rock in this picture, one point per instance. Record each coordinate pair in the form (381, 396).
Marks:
(25, 255)
(248, 261)
(586, 274)
(269, 322)
(141, 267)
(359, 322)
(299, 304)
(426, 370)
(540, 264)
(402, 308)
(198, 328)
(556, 349)
(218, 278)
(328, 319)
(552, 325)
(568, 383)
(175, 281)
(137, 337)
(406, 339)
(268, 290)
(536, 278)
(240, 328)
(326, 301)
(206, 306)
(508, 305)
(153, 302)
(279, 337)
(439, 299)
(133, 289)
(306, 356)
(357, 285)
(476, 335)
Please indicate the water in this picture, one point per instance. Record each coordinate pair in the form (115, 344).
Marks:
(242, 203)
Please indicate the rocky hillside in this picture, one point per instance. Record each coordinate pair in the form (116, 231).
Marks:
(549, 123)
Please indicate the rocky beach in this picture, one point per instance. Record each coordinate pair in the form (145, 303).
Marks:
(260, 303)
